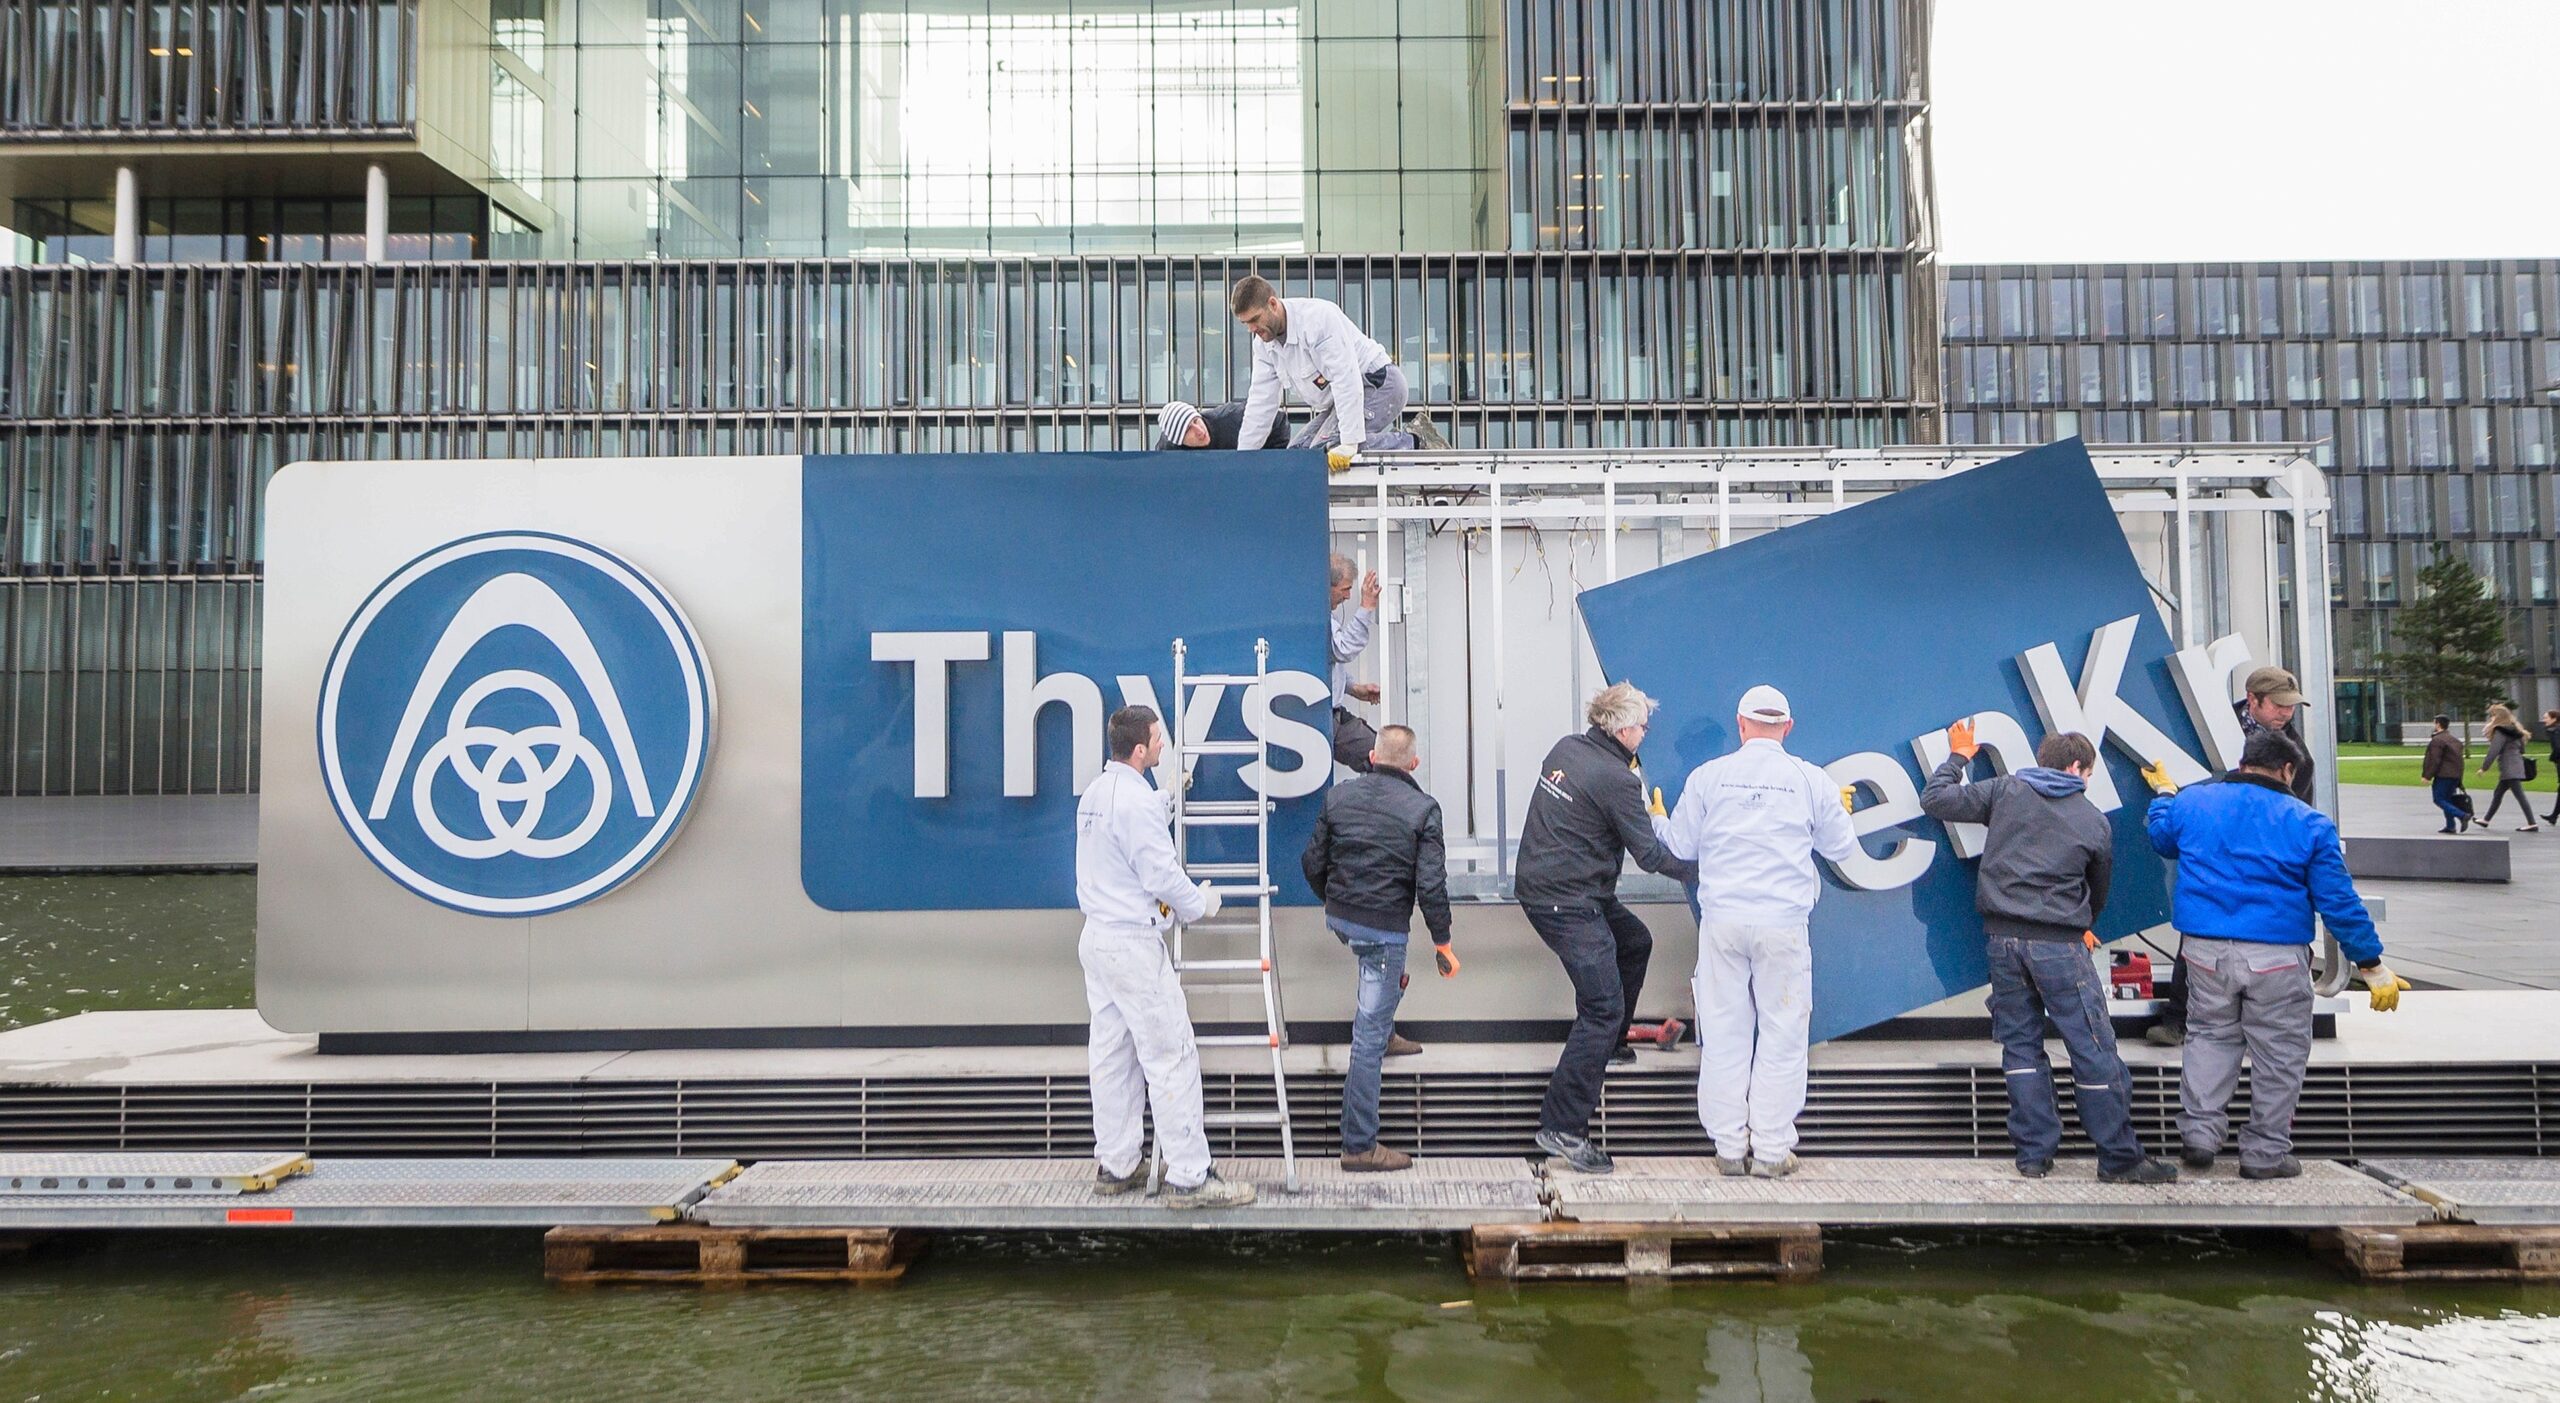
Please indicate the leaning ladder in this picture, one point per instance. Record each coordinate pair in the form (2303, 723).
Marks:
(1234, 882)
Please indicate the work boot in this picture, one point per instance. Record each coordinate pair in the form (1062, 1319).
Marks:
(1398, 1045)
(1735, 1167)
(1377, 1159)
(1578, 1154)
(2149, 1171)
(1105, 1182)
(2285, 1168)
(1623, 1052)
(2197, 1160)
(2165, 1034)
(2034, 1168)
(1775, 1168)
(1212, 1192)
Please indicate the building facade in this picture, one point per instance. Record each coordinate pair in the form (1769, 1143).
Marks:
(246, 232)
(2428, 389)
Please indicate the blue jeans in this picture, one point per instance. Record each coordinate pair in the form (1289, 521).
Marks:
(1373, 1020)
(2446, 786)
(2029, 979)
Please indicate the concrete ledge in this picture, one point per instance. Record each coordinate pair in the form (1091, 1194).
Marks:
(2431, 858)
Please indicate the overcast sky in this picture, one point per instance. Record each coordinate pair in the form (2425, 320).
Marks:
(2194, 130)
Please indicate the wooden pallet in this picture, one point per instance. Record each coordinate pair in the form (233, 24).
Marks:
(692, 1253)
(2445, 1252)
(1569, 1251)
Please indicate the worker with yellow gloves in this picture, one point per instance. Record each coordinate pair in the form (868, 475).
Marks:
(1753, 820)
(2048, 859)
(2255, 864)
(1305, 346)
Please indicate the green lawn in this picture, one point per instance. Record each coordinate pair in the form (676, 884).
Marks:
(2398, 764)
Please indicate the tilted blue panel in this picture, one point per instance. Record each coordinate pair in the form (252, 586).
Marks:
(1882, 623)
(1105, 558)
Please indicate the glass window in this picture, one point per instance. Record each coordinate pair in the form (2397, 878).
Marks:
(2267, 305)
(2134, 371)
(2111, 305)
(2091, 376)
(2528, 311)
(1964, 308)
(2421, 304)
(2457, 505)
(2373, 439)
(2479, 303)
(2538, 582)
(2501, 369)
(2218, 300)
(2013, 307)
(2160, 305)
(2302, 377)
(2195, 374)
(2476, 432)
(2066, 306)
(2430, 438)
(2404, 375)
(2311, 305)
(2349, 361)
(2364, 304)
(2381, 577)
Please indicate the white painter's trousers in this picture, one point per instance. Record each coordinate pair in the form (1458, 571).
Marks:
(1141, 1054)
(1755, 1010)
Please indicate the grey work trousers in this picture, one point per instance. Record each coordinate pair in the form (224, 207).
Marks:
(1382, 407)
(2245, 994)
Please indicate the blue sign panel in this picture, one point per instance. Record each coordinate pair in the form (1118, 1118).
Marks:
(971, 621)
(2007, 593)
(515, 723)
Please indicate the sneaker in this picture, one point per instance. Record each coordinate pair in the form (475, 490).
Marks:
(1398, 1045)
(2034, 1168)
(1774, 1168)
(2149, 1171)
(2285, 1168)
(1578, 1154)
(2197, 1161)
(1623, 1052)
(2165, 1034)
(1212, 1192)
(1733, 1168)
(1377, 1159)
(1105, 1182)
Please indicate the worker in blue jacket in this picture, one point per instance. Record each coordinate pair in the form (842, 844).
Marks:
(2254, 864)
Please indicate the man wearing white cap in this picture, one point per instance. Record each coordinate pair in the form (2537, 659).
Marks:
(1752, 821)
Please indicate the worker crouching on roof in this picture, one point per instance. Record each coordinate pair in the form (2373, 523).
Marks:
(1376, 854)
(1585, 818)
(2046, 863)
(1305, 346)
(1181, 424)
(2254, 864)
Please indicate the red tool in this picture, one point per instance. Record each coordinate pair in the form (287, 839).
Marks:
(2130, 977)
(1664, 1035)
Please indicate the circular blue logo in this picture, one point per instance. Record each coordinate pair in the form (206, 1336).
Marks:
(515, 723)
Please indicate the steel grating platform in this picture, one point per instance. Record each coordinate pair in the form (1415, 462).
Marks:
(2489, 1192)
(407, 1193)
(1435, 1195)
(168, 1172)
(1977, 1193)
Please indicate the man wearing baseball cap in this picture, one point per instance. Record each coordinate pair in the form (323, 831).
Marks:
(1753, 820)
(2270, 701)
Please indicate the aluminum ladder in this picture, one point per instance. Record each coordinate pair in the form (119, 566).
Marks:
(1236, 883)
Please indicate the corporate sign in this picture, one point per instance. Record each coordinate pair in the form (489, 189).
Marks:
(2007, 594)
(967, 628)
(514, 723)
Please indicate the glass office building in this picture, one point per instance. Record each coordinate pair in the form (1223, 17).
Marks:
(245, 232)
(2429, 389)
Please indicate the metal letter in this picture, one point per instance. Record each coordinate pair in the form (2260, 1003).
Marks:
(2003, 739)
(1025, 692)
(2094, 710)
(1898, 803)
(933, 654)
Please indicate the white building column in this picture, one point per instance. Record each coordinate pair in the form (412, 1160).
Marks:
(128, 248)
(377, 214)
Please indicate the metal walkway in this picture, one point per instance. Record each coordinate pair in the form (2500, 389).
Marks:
(1436, 1195)
(2490, 1192)
(1978, 1193)
(404, 1193)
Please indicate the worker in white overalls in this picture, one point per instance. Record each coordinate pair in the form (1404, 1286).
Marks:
(1131, 887)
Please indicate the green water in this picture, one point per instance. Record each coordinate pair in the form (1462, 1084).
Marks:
(376, 1317)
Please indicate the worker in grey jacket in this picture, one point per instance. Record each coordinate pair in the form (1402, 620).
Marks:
(2047, 860)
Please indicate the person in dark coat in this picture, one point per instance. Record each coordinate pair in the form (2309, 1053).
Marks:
(2442, 770)
(1182, 424)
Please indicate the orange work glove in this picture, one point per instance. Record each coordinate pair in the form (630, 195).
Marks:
(1447, 959)
(1960, 739)
(2089, 938)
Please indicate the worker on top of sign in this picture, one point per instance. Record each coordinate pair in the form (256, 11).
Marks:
(2254, 865)
(1586, 817)
(1142, 1055)
(1307, 347)
(1181, 424)
(1753, 820)
(2046, 863)
(1376, 854)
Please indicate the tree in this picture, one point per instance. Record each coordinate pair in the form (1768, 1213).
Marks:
(2453, 640)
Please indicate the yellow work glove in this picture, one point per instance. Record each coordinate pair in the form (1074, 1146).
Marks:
(1960, 739)
(2384, 986)
(1337, 458)
(1447, 959)
(2157, 776)
(1655, 808)
(1849, 798)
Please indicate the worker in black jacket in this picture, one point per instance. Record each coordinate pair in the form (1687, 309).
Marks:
(1377, 851)
(1182, 424)
(1586, 816)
